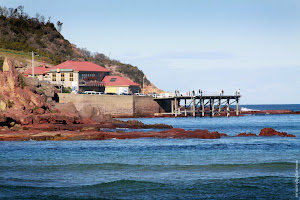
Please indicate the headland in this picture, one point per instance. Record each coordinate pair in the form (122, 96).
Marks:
(30, 111)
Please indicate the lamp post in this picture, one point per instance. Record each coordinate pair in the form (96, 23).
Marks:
(143, 84)
(32, 62)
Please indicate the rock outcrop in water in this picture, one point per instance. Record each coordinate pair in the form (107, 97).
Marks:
(245, 134)
(272, 132)
(93, 132)
(268, 112)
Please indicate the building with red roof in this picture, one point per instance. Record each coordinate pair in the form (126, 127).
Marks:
(78, 75)
(120, 85)
(40, 72)
(80, 66)
(84, 76)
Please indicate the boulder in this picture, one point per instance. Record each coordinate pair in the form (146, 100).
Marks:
(16, 127)
(2, 106)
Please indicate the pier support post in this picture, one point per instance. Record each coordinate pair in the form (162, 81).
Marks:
(237, 107)
(200, 107)
(210, 108)
(184, 107)
(213, 108)
(172, 106)
(202, 100)
(219, 106)
(176, 104)
(228, 110)
(194, 108)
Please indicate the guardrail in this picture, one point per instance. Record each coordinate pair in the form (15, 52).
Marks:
(190, 94)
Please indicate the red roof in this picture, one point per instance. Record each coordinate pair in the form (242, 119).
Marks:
(80, 66)
(37, 70)
(118, 81)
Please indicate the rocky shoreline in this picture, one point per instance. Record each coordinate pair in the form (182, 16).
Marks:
(269, 112)
(92, 134)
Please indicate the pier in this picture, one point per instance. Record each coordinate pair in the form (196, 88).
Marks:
(199, 105)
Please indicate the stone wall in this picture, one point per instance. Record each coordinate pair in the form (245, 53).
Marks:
(114, 105)
(144, 105)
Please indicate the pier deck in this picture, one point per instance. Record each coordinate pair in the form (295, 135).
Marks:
(201, 105)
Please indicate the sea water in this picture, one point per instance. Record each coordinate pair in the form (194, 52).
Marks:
(226, 168)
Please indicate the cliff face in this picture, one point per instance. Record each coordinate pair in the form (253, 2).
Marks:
(19, 104)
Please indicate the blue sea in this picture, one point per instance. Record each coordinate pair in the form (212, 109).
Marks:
(226, 168)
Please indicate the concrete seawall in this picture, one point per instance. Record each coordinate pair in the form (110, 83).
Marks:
(114, 105)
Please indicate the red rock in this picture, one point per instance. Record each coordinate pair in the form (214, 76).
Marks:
(223, 134)
(181, 133)
(86, 121)
(173, 130)
(38, 111)
(268, 112)
(245, 134)
(272, 132)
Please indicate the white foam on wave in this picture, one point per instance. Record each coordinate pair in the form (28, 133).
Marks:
(247, 109)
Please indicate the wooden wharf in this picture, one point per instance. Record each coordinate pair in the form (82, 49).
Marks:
(201, 105)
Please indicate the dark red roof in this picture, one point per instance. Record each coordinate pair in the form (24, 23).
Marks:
(37, 70)
(80, 66)
(118, 81)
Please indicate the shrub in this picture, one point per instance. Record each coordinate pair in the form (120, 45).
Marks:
(1, 64)
(23, 83)
(67, 90)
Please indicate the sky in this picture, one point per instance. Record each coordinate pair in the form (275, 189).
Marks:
(185, 45)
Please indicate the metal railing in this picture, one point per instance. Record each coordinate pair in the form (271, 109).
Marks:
(191, 94)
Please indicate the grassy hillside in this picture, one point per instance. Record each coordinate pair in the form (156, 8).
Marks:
(20, 34)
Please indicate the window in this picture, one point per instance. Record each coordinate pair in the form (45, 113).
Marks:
(71, 78)
(62, 76)
(88, 77)
(54, 77)
(113, 80)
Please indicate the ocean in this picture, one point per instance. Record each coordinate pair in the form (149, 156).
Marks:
(150, 168)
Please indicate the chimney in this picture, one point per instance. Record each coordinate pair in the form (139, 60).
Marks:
(44, 65)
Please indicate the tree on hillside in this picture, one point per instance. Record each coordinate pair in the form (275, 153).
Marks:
(3, 11)
(59, 26)
(21, 9)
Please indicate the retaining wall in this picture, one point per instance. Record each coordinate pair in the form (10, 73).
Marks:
(114, 105)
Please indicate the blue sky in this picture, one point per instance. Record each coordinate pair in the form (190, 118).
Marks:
(181, 45)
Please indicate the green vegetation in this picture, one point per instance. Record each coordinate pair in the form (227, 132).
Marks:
(1, 64)
(21, 34)
(67, 90)
(35, 108)
(23, 83)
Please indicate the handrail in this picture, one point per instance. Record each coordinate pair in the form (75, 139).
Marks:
(191, 94)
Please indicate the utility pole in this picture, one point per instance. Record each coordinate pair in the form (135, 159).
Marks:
(32, 62)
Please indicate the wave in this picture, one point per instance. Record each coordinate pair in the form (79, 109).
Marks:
(132, 183)
(271, 187)
(247, 109)
(124, 167)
